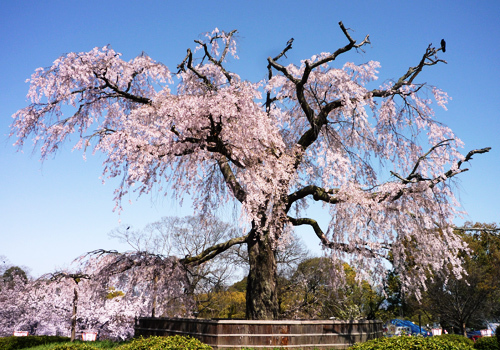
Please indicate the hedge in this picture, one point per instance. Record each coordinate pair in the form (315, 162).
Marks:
(413, 343)
(165, 343)
(15, 343)
(487, 343)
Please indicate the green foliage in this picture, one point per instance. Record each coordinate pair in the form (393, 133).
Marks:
(497, 334)
(10, 273)
(413, 343)
(457, 338)
(175, 342)
(78, 345)
(107, 344)
(14, 343)
(114, 293)
(486, 343)
(74, 346)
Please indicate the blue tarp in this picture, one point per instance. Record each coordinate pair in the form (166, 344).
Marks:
(413, 327)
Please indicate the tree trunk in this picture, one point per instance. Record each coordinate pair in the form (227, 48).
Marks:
(261, 297)
(155, 282)
(73, 316)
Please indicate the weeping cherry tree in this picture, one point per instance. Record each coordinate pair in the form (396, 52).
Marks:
(376, 158)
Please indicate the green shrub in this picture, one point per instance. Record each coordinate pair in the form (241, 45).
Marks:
(14, 343)
(486, 343)
(457, 338)
(497, 334)
(165, 343)
(106, 344)
(74, 346)
(80, 345)
(414, 343)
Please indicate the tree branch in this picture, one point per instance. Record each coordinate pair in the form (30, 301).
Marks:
(189, 61)
(414, 177)
(487, 230)
(269, 100)
(213, 251)
(238, 191)
(127, 95)
(318, 193)
(346, 248)
(428, 59)
(218, 63)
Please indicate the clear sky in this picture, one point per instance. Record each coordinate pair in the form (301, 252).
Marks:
(52, 212)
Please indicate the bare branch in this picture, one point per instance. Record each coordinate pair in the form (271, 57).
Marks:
(189, 61)
(270, 71)
(428, 59)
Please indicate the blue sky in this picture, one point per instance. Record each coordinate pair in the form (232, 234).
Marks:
(52, 212)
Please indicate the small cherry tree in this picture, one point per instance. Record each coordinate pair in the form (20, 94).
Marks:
(312, 132)
(104, 295)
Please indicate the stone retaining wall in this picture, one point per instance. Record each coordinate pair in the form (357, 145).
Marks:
(287, 334)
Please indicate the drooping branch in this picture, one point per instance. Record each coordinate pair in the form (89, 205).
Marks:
(414, 176)
(455, 171)
(58, 276)
(122, 93)
(330, 196)
(469, 157)
(125, 261)
(344, 247)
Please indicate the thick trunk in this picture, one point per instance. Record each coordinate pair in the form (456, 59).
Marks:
(262, 300)
(73, 316)
(155, 290)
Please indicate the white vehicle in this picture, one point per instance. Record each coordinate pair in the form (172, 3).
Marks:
(394, 331)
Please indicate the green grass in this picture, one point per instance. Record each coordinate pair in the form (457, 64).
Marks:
(102, 344)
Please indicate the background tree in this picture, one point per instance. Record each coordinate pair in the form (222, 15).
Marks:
(76, 278)
(474, 300)
(15, 271)
(319, 131)
(311, 293)
(185, 237)
(103, 294)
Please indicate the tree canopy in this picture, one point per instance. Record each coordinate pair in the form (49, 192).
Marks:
(375, 157)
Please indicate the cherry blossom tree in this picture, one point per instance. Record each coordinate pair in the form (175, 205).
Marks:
(374, 156)
(104, 294)
(187, 236)
(37, 306)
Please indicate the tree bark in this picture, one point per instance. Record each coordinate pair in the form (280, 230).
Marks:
(155, 282)
(261, 297)
(73, 316)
